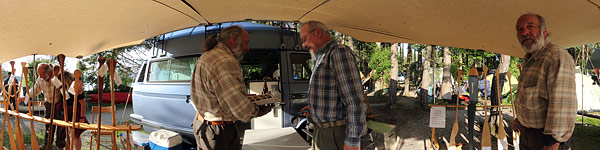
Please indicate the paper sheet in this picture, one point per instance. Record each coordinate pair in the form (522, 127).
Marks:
(437, 117)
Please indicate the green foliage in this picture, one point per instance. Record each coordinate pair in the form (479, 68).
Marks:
(127, 68)
(380, 62)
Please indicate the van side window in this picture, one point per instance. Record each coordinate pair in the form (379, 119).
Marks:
(178, 69)
(301, 66)
(142, 74)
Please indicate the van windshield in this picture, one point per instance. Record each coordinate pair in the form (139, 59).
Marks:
(178, 69)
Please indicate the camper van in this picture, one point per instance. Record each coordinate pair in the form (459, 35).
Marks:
(275, 62)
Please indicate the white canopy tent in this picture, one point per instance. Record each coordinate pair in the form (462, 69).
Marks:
(85, 27)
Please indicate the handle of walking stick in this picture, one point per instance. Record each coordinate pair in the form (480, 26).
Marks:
(101, 61)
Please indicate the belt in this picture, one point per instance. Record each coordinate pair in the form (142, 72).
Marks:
(332, 124)
(219, 122)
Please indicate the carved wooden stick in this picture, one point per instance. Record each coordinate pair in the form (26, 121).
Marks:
(76, 83)
(486, 142)
(34, 141)
(515, 133)
(55, 96)
(502, 141)
(111, 67)
(455, 125)
(11, 137)
(61, 62)
(101, 61)
(20, 142)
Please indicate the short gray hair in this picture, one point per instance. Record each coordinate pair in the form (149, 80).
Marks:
(47, 68)
(316, 24)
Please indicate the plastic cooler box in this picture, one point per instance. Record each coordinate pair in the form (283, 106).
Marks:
(164, 140)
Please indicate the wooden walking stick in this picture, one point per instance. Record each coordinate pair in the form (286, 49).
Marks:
(111, 67)
(486, 141)
(34, 140)
(101, 61)
(55, 96)
(515, 134)
(453, 145)
(61, 62)
(502, 142)
(18, 132)
(11, 138)
(75, 85)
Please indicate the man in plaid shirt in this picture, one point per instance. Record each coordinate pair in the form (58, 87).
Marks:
(336, 98)
(546, 103)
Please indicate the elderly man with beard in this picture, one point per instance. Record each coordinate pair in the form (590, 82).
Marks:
(218, 92)
(336, 99)
(546, 103)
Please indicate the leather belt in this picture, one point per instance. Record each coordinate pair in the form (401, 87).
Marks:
(219, 122)
(332, 124)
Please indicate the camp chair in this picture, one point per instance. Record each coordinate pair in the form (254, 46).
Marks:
(95, 133)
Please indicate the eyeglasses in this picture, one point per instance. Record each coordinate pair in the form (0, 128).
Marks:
(304, 38)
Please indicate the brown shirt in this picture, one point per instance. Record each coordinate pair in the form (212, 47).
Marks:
(218, 91)
(546, 98)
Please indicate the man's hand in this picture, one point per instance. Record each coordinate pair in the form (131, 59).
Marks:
(552, 147)
(263, 110)
(305, 110)
(20, 99)
(517, 125)
(346, 147)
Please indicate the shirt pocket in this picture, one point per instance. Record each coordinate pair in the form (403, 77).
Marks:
(530, 82)
(530, 102)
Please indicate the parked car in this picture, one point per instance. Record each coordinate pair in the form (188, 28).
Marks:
(161, 92)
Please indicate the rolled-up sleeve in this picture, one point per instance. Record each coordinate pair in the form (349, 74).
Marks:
(562, 101)
(351, 93)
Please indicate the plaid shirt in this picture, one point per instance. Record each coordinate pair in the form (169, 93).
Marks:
(335, 91)
(546, 98)
(44, 86)
(218, 91)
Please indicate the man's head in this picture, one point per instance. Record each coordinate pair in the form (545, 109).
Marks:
(532, 32)
(314, 35)
(45, 71)
(234, 37)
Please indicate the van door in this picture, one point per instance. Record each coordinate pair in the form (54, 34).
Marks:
(296, 68)
(162, 99)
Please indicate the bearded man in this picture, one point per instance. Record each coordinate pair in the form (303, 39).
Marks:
(546, 103)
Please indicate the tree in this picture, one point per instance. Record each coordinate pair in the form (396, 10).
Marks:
(446, 77)
(393, 74)
(424, 97)
(409, 71)
(380, 62)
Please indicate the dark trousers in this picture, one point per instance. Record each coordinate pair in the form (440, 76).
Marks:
(216, 137)
(531, 139)
(60, 133)
(329, 138)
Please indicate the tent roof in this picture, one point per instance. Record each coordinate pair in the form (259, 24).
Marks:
(86, 27)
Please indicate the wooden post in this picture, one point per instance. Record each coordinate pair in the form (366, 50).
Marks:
(486, 141)
(61, 62)
(77, 75)
(18, 132)
(101, 61)
(11, 138)
(111, 68)
(34, 140)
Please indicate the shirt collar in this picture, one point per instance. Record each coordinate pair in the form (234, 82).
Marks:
(325, 47)
(222, 46)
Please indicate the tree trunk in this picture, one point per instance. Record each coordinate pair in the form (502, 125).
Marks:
(393, 74)
(424, 94)
(408, 72)
(379, 82)
(420, 64)
(446, 77)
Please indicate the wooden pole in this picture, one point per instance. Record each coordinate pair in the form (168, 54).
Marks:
(515, 133)
(101, 61)
(61, 62)
(111, 67)
(502, 142)
(50, 134)
(453, 145)
(34, 140)
(11, 138)
(77, 75)
(486, 141)
(18, 132)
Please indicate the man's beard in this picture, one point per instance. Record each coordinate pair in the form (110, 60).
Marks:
(238, 53)
(313, 54)
(540, 43)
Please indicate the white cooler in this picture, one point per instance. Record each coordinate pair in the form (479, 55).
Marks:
(164, 140)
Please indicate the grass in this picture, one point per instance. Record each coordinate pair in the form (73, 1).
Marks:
(589, 120)
(586, 137)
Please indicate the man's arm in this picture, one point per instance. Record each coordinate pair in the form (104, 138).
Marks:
(35, 91)
(344, 66)
(230, 89)
(562, 101)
